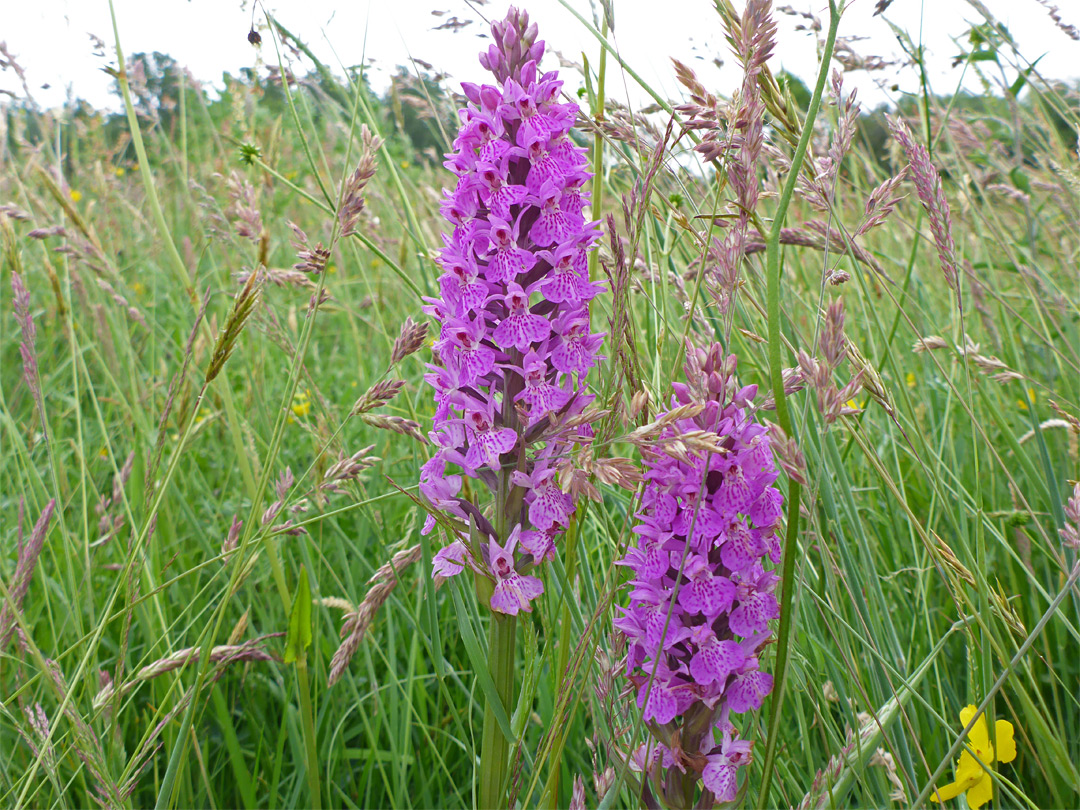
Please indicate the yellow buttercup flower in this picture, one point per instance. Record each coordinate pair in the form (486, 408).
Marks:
(301, 405)
(119, 171)
(75, 195)
(910, 380)
(973, 775)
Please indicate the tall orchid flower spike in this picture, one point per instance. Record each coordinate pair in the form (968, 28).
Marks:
(701, 596)
(973, 772)
(514, 346)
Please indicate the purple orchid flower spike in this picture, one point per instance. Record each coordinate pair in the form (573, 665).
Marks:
(701, 598)
(514, 346)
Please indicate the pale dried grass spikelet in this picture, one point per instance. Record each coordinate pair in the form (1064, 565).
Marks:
(951, 562)
(621, 336)
(794, 382)
(239, 628)
(882, 202)
(929, 343)
(846, 55)
(131, 311)
(819, 190)
(1070, 533)
(788, 455)
(645, 433)
(409, 340)
(832, 343)
(25, 564)
(691, 443)
(313, 258)
(339, 603)
(1070, 31)
(1011, 192)
(932, 195)
(999, 602)
(1004, 610)
(243, 306)
(816, 235)
(871, 380)
(639, 404)
(347, 468)
(603, 780)
(820, 795)
(14, 212)
(810, 21)
(281, 488)
(278, 276)
(1074, 422)
(705, 109)
(86, 744)
(992, 366)
(20, 300)
(45, 233)
(573, 476)
(109, 525)
(352, 194)
(376, 396)
(382, 583)
(221, 655)
(577, 793)
(395, 424)
(882, 758)
(830, 237)
(232, 538)
(38, 722)
(244, 208)
(620, 472)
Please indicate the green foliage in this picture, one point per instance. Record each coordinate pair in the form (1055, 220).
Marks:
(929, 558)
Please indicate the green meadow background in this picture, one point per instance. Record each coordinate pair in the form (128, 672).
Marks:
(930, 571)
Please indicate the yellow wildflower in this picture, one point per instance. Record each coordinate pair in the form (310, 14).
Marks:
(75, 195)
(910, 379)
(404, 164)
(119, 171)
(301, 405)
(973, 775)
(1031, 398)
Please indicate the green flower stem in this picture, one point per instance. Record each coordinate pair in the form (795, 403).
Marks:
(495, 750)
(308, 719)
(772, 294)
(550, 799)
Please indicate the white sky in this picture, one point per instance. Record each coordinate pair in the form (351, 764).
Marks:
(50, 39)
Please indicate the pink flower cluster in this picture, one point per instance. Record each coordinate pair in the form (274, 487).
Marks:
(514, 345)
(701, 598)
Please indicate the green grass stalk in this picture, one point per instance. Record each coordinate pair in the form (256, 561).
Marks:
(773, 317)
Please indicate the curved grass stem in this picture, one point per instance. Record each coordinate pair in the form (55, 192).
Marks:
(772, 273)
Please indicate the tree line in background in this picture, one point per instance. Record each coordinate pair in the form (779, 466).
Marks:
(418, 111)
